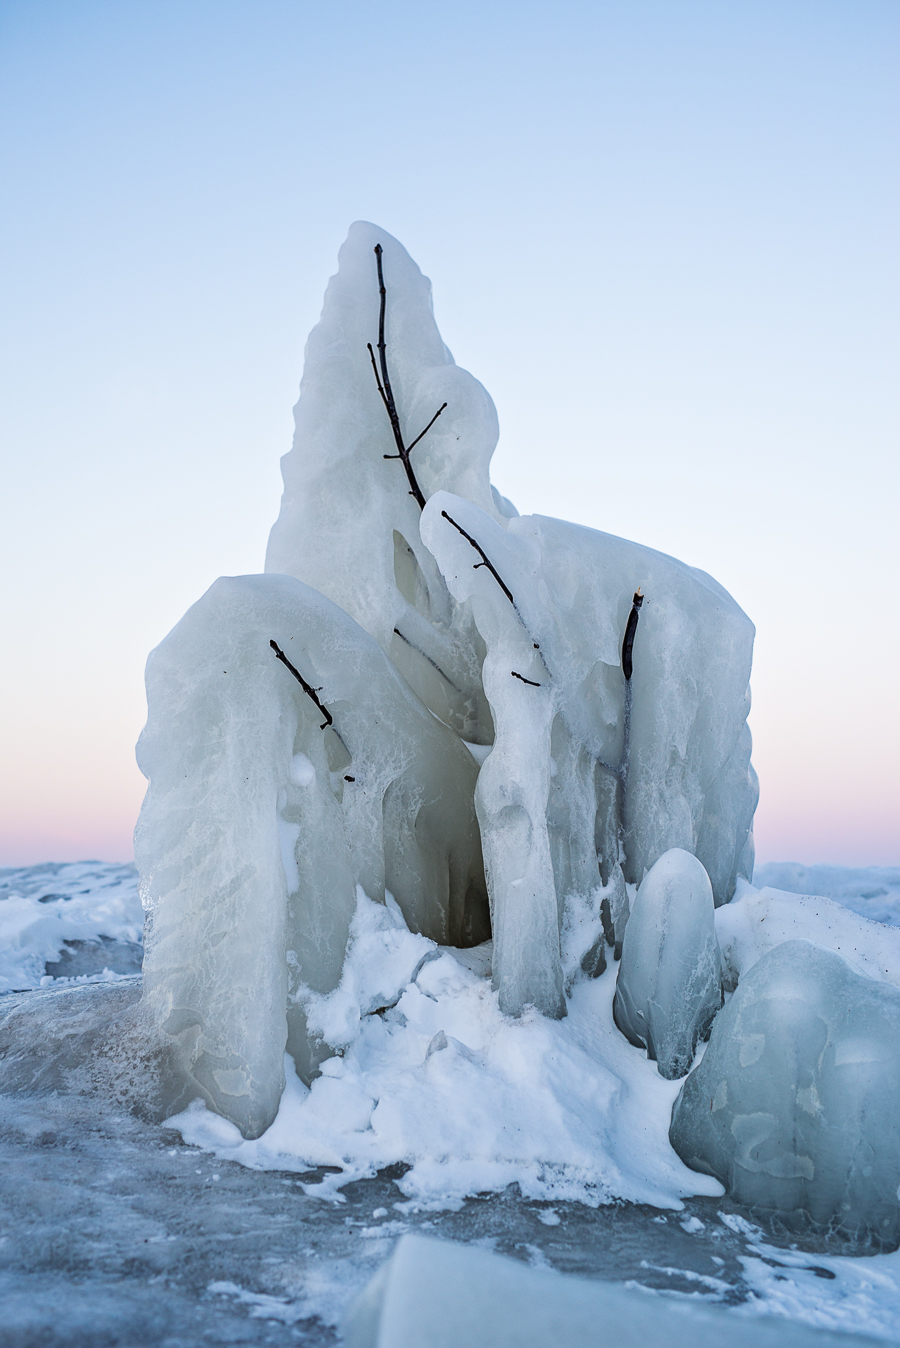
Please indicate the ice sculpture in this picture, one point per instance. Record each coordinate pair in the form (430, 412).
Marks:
(795, 1105)
(418, 654)
(669, 986)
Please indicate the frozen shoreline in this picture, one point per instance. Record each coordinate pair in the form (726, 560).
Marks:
(96, 1201)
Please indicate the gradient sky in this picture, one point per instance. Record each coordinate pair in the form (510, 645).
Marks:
(663, 233)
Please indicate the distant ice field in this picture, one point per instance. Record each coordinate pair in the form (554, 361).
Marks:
(82, 920)
(871, 891)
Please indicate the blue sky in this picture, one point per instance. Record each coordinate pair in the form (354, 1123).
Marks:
(662, 234)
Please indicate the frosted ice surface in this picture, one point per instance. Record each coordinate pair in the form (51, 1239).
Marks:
(795, 1105)
(871, 891)
(439, 1294)
(261, 819)
(757, 921)
(669, 986)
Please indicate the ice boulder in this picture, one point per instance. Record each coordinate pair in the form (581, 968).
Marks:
(669, 985)
(279, 784)
(795, 1106)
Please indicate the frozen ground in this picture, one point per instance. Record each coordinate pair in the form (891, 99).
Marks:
(120, 1232)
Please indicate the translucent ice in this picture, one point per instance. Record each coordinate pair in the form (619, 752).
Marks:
(669, 986)
(795, 1105)
(262, 818)
(584, 770)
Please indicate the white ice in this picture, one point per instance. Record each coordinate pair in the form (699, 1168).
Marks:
(262, 818)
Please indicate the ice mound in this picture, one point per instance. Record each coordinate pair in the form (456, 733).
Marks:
(670, 978)
(502, 721)
(795, 1105)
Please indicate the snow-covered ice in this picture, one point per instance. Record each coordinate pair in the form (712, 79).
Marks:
(468, 1098)
(74, 920)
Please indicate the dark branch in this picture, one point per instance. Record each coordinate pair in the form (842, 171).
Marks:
(307, 688)
(422, 434)
(387, 394)
(630, 629)
(485, 560)
(377, 380)
(531, 682)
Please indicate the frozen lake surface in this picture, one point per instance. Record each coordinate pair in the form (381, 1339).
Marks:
(115, 1231)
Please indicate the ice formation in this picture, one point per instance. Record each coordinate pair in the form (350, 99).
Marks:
(795, 1105)
(669, 986)
(417, 655)
(435, 725)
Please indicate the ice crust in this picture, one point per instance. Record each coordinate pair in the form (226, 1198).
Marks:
(669, 986)
(795, 1105)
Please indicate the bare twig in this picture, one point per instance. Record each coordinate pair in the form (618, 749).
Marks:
(310, 692)
(485, 560)
(383, 383)
(531, 682)
(422, 434)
